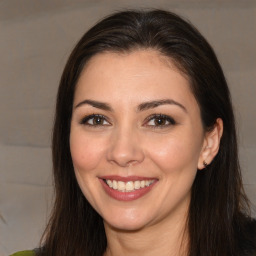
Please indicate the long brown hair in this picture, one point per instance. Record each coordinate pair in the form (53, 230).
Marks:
(218, 208)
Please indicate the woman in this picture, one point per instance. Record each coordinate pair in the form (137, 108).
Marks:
(144, 146)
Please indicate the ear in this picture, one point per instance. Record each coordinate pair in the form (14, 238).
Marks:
(211, 145)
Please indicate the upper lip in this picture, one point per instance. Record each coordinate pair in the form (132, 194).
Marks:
(127, 178)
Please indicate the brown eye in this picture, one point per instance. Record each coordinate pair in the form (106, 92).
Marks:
(160, 121)
(95, 120)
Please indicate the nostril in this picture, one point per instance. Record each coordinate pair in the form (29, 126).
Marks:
(124, 149)
(125, 158)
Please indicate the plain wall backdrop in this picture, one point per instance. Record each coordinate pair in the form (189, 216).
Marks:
(36, 38)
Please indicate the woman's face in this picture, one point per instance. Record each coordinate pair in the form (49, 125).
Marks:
(136, 138)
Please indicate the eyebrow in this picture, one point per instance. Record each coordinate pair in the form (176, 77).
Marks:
(142, 107)
(156, 103)
(96, 104)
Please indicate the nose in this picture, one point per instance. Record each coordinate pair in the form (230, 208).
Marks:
(125, 149)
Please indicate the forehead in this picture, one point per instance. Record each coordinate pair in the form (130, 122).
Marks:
(139, 75)
(134, 57)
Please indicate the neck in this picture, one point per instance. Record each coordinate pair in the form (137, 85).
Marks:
(168, 238)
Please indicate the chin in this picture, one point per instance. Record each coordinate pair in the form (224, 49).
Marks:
(125, 226)
(127, 221)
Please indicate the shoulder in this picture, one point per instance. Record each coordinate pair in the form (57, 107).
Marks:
(24, 253)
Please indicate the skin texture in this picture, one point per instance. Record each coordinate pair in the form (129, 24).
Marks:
(129, 142)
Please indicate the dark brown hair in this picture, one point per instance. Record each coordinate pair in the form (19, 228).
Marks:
(218, 209)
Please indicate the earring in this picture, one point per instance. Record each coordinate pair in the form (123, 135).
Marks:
(205, 164)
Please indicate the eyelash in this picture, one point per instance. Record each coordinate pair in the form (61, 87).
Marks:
(162, 117)
(165, 118)
(92, 117)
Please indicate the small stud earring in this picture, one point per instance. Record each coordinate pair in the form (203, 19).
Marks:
(205, 164)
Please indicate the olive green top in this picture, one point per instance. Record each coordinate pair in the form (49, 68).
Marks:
(24, 253)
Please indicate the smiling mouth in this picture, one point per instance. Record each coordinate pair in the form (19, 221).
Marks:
(128, 186)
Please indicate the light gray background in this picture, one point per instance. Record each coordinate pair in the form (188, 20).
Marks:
(36, 38)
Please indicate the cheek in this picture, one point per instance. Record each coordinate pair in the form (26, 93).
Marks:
(174, 154)
(86, 152)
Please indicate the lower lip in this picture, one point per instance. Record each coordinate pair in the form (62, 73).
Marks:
(126, 196)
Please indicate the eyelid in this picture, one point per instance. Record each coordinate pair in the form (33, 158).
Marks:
(84, 120)
(166, 118)
(163, 116)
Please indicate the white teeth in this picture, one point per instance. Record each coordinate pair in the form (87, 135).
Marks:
(120, 186)
(137, 184)
(110, 183)
(128, 186)
(114, 184)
